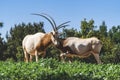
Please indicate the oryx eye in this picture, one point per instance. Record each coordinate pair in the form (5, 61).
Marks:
(56, 32)
(53, 35)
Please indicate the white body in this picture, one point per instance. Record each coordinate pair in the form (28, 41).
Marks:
(36, 44)
(31, 41)
(83, 47)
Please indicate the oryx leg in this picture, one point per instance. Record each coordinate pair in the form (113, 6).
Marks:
(62, 56)
(44, 54)
(31, 58)
(26, 56)
(68, 55)
(36, 55)
(97, 57)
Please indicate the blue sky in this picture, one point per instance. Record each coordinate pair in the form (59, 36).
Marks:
(17, 11)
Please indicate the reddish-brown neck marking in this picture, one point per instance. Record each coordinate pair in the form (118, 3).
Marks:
(45, 42)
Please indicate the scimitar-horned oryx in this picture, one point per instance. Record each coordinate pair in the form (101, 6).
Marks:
(36, 44)
(77, 47)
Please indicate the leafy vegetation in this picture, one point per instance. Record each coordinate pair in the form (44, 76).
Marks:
(52, 69)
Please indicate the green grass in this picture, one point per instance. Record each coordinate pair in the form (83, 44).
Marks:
(51, 69)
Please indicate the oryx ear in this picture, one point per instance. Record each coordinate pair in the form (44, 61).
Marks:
(52, 33)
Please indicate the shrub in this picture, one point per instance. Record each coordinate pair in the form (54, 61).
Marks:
(52, 69)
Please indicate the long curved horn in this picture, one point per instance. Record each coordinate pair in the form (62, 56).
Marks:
(63, 25)
(47, 19)
(55, 26)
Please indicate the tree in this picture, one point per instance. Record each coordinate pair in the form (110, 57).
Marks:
(2, 48)
(114, 34)
(103, 29)
(1, 24)
(117, 54)
(87, 28)
(71, 32)
(111, 43)
(2, 45)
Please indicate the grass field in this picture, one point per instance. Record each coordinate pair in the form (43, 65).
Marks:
(51, 69)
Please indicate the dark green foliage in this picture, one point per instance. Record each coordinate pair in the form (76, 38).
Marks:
(117, 53)
(1, 24)
(51, 69)
(2, 48)
(52, 52)
(71, 32)
(87, 28)
(111, 49)
(103, 29)
(2, 45)
(114, 34)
